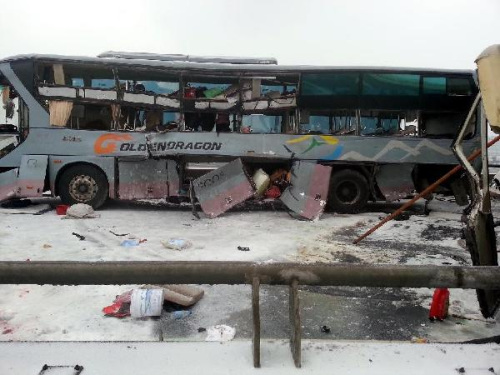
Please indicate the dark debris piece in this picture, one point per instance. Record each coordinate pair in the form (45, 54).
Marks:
(402, 216)
(118, 234)
(201, 329)
(325, 329)
(243, 248)
(80, 237)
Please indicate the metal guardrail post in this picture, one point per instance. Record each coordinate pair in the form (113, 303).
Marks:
(256, 322)
(295, 327)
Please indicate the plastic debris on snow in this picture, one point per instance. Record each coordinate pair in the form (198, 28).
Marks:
(120, 307)
(177, 244)
(132, 242)
(80, 211)
(220, 333)
(146, 302)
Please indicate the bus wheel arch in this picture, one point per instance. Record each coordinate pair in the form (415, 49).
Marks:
(82, 183)
(349, 191)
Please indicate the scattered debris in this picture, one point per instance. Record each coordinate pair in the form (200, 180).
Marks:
(44, 210)
(146, 302)
(403, 216)
(80, 237)
(202, 329)
(62, 209)
(177, 244)
(325, 329)
(440, 304)
(80, 211)
(243, 248)
(129, 243)
(419, 340)
(46, 246)
(273, 192)
(66, 369)
(120, 307)
(118, 234)
(220, 333)
(117, 310)
(182, 295)
(261, 180)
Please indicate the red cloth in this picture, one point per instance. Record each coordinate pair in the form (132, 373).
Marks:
(273, 192)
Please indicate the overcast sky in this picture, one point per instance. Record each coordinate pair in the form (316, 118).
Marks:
(437, 33)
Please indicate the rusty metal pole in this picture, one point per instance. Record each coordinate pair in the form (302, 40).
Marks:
(295, 325)
(256, 322)
(428, 190)
(384, 275)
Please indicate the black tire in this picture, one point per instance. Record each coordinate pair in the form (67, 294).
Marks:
(348, 191)
(83, 184)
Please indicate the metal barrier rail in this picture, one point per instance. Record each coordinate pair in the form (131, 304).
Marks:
(292, 274)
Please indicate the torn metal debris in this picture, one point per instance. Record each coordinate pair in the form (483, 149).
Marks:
(222, 189)
(308, 190)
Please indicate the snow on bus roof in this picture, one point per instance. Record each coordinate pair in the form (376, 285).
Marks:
(219, 66)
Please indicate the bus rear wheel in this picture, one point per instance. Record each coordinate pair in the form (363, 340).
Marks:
(83, 184)
(348, 191)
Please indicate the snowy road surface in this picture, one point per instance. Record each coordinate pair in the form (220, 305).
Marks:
(70, 313)
(318, 357)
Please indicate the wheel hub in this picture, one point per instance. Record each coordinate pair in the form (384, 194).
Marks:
(83, 188)
(347, 192)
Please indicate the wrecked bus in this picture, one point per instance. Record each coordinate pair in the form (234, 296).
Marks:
(220, 131)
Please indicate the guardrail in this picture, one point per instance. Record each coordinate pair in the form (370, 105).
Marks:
(255, 274)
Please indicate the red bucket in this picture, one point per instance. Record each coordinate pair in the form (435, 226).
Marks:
(61, 209)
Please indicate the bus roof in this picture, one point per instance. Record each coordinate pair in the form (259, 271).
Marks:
(220, 67)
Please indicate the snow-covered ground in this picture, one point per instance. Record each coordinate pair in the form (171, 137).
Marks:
(318, 357)
(73, 313)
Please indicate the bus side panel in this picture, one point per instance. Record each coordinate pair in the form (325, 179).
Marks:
(8, 184)
(395, 181)
(173, 179)
(142, 179)
(58, 163)
(26, 181)
(32, 175)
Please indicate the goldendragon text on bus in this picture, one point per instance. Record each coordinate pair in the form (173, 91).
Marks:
(220, 131)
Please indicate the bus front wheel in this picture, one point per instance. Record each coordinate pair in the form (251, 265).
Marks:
(83, 184)
(348, 191)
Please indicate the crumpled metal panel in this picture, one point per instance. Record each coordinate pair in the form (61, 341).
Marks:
(142, 179)
(223, 188)
(308, 190)
(395, 181)
(27, 180)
